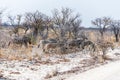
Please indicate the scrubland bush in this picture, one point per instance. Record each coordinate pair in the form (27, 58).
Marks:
(33, 40)
(65, 27)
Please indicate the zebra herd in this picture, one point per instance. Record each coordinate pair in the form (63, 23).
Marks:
(52, 44)
(65, 46)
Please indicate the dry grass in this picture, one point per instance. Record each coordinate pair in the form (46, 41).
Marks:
(18, 53)
(95, 36)
(13, 54)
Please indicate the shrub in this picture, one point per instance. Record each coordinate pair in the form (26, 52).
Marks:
(33, 39)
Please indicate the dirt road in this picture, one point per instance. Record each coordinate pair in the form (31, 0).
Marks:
(110, 71)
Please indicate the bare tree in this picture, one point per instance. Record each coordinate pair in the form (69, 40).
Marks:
(19, 19)
(39, 22)
(15, 22)
(102, 24)
(47, 24)
(26, 26)
(115, 26)
(65, 22)
(65, 26)
(76, 28)
(11, 20)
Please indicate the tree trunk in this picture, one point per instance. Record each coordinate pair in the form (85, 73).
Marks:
(102, 35)
(117, 37)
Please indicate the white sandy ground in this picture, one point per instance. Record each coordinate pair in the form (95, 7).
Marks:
(27, 70)
(110, 71)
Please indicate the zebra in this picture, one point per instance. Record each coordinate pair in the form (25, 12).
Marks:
(21, 41)
(88, 43)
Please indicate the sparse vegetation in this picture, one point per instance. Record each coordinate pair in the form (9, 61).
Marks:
(38, 38)
(65, 27)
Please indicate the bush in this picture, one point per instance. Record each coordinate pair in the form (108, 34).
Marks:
(33, 39)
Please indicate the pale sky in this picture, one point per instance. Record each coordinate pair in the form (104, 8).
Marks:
(89, 9)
